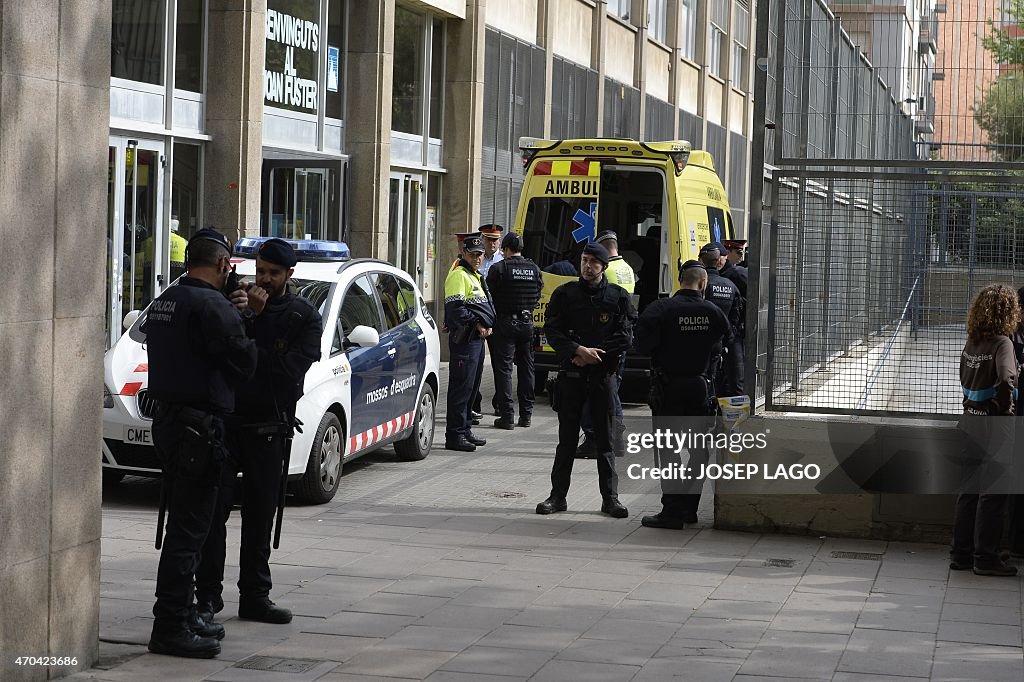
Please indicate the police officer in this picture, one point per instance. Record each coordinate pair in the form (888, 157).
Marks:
(469, 317)
(726, 296)
(682, 334)
(492, 253)
(735, 271)
(589, 323)
(287, 332)
(621, 274)
(515, 284)
(199, 355)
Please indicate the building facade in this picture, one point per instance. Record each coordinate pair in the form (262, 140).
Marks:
(390, 124)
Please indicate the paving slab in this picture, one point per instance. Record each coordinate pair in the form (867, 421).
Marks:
(881, 653)
(954, 661)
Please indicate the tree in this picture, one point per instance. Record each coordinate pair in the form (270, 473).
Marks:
(1001, 110)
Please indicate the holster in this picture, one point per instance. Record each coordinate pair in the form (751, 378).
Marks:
(461, 334)
(199, 452)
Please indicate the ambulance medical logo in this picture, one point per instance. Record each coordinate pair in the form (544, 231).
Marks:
(396, 387)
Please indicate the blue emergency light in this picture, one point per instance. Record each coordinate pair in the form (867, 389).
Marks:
(305, 249)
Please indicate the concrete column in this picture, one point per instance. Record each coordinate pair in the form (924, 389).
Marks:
(463, 125)
(598, 54)
(675, 40)
(234, 116)
(368, 120)
(54, 122)
(545, 31)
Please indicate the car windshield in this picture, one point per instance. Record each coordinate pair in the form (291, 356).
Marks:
(313, 290)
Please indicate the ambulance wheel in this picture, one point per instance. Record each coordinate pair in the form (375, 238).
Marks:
(323, 470)
(540, 380)
(417, 445)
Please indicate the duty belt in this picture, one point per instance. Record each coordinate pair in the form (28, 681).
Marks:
(523, 315)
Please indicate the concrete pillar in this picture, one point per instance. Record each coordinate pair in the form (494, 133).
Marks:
(54, 118)
(234, 116)
(463, 126)
(368, 120)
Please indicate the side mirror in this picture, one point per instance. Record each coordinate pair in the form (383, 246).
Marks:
(130, 319)
(363, 336)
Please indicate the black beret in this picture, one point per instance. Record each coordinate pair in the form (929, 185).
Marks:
(692, 264)
(279, 252)
(712, 246)
(607, 234)
(512, 241)
(212, 235)
(597, 251)
(474, 243)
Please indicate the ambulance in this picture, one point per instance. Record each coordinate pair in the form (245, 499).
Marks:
(664, 200)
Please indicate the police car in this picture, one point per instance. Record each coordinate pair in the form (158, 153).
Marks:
(375, 384)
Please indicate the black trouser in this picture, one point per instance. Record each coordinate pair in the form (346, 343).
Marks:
(194, 488)
(682, 396)
(260, 459)
(733, 370)
(978, 527)
(464, 373)
(574, 388)
(513, 342)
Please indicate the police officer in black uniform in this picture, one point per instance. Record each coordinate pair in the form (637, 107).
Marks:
(589, 323)
(734, 269)
(515, 283)
(287, 332)
(683, 335)
(199, 354)
(723, 293)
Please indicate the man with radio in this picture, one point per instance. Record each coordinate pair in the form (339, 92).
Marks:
(199, 355)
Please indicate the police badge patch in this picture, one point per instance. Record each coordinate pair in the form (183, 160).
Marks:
(281, 345)
(603, 318)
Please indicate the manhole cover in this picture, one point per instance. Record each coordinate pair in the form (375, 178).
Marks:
(779, 563)
(863, 556)
(277, 664)
(505, 494)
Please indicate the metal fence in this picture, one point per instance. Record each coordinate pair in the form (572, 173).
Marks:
(877, 226)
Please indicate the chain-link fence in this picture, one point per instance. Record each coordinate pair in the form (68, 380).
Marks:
(878, 226)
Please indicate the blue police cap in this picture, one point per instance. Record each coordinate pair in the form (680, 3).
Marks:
(211, 235)
(597, 251)
(512, 241)
(712, 246)
(279, 252)
(474, 244)
(692, 264)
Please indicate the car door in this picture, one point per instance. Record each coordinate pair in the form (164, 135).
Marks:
(405, 337)
(372, 368)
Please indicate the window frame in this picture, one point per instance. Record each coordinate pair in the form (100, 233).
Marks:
(341, 305)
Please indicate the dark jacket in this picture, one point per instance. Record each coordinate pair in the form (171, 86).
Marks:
(287, 335)
(682, 333)
(723, 293)
(515, 284)
(737, 275)
(199, 353)
(988, 376)
(595, 317)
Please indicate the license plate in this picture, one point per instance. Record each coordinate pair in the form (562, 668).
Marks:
(138, 435)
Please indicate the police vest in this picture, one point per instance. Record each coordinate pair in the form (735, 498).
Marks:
(620, 273)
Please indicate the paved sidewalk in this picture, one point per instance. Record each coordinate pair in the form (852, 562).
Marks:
(440, 570)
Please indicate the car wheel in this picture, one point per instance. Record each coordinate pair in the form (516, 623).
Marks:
(112, 476)
(323, 470)
(417, 445)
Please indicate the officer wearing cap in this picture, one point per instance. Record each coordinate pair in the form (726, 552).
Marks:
(737, 274)
(199, 356)
(620, 273)
(726, 296)
(287, 330)
(469, 318)
(492, 236)
(515, 283)
(682, 335)
(589, 323)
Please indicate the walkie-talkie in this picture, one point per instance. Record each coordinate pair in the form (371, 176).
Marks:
(233, 282)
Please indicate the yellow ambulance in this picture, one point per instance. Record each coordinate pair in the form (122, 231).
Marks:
(664, 200)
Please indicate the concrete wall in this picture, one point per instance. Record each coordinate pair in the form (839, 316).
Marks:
(620, 50)
(54, 113)
(517, 17)
(659, 60)
(572, 30)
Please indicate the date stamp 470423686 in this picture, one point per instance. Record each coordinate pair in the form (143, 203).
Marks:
(46, 660)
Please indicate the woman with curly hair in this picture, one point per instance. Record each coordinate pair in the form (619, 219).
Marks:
(988, 377)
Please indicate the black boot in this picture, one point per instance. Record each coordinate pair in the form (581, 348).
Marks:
(184, 643)
(524, 420)
(474, 440)
(202, 624)
(504, 423)
(615, 509)
(460, 444)
(264, 611)
(552, 505)
(662, 520)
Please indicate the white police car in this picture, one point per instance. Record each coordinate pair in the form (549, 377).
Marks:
(375, 384)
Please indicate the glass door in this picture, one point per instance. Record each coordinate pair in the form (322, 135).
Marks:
(407, 238)
(309, 192)
(137, 240)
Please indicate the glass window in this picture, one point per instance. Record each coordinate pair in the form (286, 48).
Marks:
(359, 307)
(739, 66)
(437, 80)
(657, 19)
(293, 49)
(689, 36)
(335, 42)
(137, 40)
(741, 32)
(620, 8)
(407, 95)
(715, 44)
(397, 297)
(188, 46)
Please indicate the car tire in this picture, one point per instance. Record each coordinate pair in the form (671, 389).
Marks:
(323, 469)
(417, 445)
(113, 476)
